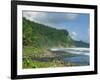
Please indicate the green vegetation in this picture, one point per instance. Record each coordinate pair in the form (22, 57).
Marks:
(28, 63)
(40, 36)
(38, 39)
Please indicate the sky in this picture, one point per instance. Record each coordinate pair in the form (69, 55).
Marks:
(76, 23)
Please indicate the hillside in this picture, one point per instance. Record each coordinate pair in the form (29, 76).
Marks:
(39, 35)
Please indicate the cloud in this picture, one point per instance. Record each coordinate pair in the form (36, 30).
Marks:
(29, 15)
(71, 16)
(49, 18)
(33, 16)
(73, 35)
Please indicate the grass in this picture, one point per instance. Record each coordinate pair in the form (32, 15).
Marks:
(36, 64)
(30, 53)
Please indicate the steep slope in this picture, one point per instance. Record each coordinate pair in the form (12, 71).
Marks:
(39, 35)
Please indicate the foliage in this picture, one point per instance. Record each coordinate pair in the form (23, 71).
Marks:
(28, 63)
(39, 36)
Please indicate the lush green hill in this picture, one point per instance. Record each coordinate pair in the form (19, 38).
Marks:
(39, 35)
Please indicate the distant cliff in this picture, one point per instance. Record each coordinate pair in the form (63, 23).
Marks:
(81, 44)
